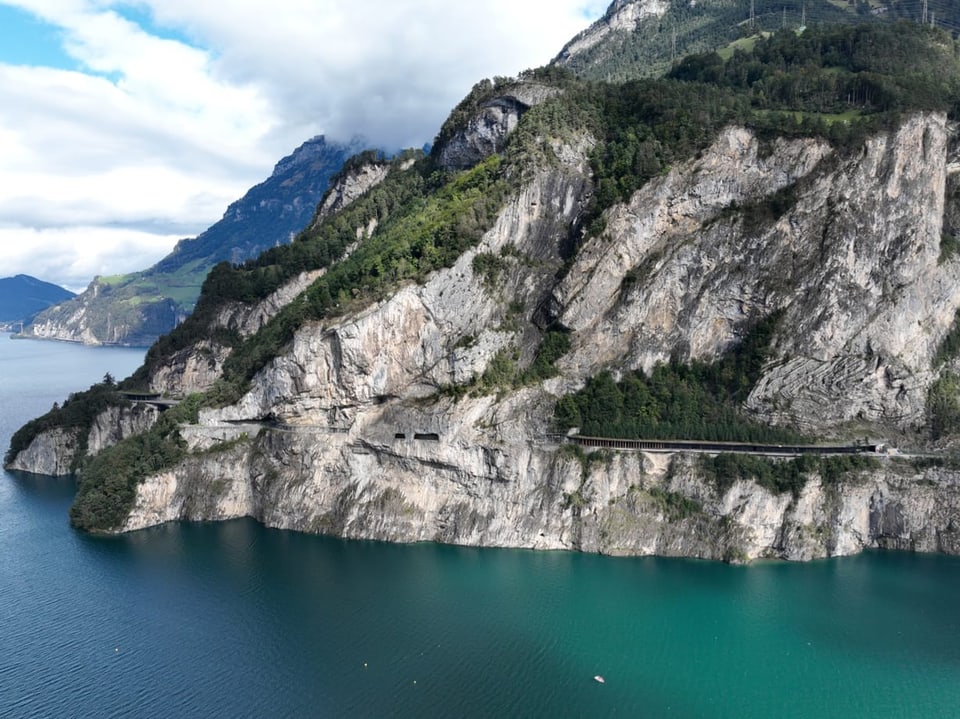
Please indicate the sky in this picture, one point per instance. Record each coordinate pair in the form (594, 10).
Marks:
(126, 126)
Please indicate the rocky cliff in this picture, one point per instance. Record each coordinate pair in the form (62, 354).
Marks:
(627, 504)
(368, 447)
(195, 369)
(56, 451)
(643, 38)
(99, 317)
(622, 17)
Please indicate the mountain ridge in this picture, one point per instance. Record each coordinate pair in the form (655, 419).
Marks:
(137, 308)
(643, 38)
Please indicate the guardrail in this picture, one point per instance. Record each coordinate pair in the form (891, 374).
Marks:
(679, 445)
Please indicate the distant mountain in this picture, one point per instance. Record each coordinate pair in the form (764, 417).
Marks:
(137, 308)
(23, 296)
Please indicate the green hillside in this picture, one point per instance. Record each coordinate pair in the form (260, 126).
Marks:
(657, 42)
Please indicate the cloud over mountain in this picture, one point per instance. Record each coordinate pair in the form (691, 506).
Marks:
(151, 116)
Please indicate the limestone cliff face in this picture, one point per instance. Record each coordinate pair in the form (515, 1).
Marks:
(197, 367)
(117, 423)
(363, 442)
(49, 453)
(409, 490)
(852, 261)
(93, 318)
(351, 186)
(487, 130)
(54, 451)
(352, 431)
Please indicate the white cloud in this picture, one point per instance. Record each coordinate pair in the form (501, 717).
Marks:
(105, 251)
(387, 69)
(152, 132)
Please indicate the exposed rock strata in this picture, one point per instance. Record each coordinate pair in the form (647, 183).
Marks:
(53, 452)
(85, 320)
(853, 263)
(409, 490)
(369, 450)
(486, 132)
(350, 187)
(369, 446)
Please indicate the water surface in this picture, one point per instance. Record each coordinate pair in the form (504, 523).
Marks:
(228, 620)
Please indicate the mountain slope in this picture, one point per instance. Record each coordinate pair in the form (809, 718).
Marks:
(773, 249)
(135, 309)
(22, 296)
(643, 38)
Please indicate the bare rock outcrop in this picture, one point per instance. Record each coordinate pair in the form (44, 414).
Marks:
(374, 425)
(362, 441)
(486, 132)
(54, 451)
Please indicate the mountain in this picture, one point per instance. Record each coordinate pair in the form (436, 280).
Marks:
(642, 38)
(137, 308)
(22, 296)
(543, 334)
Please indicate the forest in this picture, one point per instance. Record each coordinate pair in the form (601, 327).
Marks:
(697, 400)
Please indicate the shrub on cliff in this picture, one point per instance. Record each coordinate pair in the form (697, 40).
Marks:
(108, 482)
(77, 413)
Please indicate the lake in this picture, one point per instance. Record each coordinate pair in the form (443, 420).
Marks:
(234, 620)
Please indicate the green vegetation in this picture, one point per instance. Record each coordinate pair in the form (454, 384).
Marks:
(76, 414)
(645, 126)
(426, 218)
(504, 371)
(840, 83)
(482, 92)
(744, 44)
(874, 68)
(950, 346)
(949, 247)
(108, 481)
(943, 397)
(431, 233)
(488, 267)
(779, 475)
(316, 248)
(724, 25)
(677, 401)
(135, 309)
(943, 406)
(675, 505)
(920, 464)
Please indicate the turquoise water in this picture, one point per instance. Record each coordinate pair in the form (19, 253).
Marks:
(235, 620)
